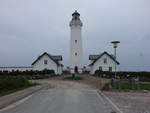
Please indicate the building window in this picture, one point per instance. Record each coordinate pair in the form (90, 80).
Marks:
(75, 54)
(45, 62)
(75, 41)
(110, 69)
(105, 60)
(100, 68)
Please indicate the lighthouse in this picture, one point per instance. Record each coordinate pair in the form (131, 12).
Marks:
(76, 62)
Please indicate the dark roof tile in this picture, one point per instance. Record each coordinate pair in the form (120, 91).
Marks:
(93, 57)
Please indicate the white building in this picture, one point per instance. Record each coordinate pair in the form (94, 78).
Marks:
(103, 62)
(76, 63)
(45, 61)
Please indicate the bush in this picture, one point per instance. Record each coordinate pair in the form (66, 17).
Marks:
(10, 84)
(105, 85)
(105, 74)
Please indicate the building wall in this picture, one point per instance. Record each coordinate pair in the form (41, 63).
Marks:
(100, 63)
(51, 65)
(76, 47)
(15, 68)
(60, 69)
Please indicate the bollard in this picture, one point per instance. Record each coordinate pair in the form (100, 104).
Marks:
(113, 83)
(132, 83)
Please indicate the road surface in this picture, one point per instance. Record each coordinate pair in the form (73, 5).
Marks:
(66, 97)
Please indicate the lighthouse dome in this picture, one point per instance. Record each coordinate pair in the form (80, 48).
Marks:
(75, 19)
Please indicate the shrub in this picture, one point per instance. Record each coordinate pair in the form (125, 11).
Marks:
(105, 85)
(11, 82)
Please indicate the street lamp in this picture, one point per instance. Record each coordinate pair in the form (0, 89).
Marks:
(115, 45)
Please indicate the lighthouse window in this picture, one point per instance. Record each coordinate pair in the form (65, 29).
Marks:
(75, 54)
(75, 41)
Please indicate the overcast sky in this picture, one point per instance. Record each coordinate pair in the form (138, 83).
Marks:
(30, 27)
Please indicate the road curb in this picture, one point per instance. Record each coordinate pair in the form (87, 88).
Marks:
(14, 97)
(113, 106)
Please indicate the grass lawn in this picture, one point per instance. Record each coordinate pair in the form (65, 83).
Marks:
(142, 86)
(10, 84)
(145, 86)
(73, 78)
(6, 92)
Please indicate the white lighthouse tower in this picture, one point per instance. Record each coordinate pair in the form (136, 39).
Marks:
(76, 64)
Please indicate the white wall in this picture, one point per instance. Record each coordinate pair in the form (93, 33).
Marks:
(15, 68)
(105, 66)
(60, 69)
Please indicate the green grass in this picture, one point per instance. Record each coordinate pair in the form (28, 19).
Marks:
(142, 86)
(73, 78)
(6, 92)
(10, 84)
(145, 86)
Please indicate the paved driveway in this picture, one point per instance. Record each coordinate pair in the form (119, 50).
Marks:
(62, 101)
(62, 97)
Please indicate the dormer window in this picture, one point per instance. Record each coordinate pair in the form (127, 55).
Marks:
(45, 62)
(105, 60)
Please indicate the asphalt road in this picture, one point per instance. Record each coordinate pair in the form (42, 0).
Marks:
(62, 101)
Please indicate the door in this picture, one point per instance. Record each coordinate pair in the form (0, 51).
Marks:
(76, 69)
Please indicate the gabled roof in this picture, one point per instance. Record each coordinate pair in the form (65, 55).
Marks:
(96, 57)
(54, 58)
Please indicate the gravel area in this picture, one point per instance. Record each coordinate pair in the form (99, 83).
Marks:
(88, 82)
(59, 83)
(131, 101)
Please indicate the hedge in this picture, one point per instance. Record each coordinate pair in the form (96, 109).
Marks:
(145, 76)
(29, 74)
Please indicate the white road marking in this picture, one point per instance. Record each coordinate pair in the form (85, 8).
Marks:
(102, 100)
(114, 105)
(16, 103)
